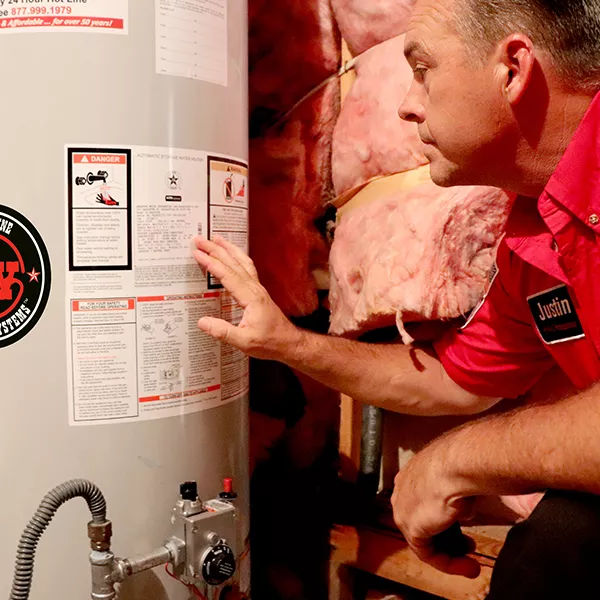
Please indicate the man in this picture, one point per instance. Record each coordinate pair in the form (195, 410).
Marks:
(504, 94)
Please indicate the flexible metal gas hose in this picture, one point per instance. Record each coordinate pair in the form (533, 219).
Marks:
(370, 451)
(77, 488)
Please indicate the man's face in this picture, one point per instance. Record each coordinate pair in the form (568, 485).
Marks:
(454, 103)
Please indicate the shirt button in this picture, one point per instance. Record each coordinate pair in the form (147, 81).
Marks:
(594, 219)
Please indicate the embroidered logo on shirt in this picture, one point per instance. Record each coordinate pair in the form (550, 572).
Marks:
(555, 316)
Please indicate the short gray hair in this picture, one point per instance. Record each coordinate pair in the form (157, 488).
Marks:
(569, 30)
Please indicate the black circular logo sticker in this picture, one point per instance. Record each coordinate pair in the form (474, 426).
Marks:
(24, 276)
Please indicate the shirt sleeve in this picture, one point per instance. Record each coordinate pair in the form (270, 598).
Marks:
(497, 354)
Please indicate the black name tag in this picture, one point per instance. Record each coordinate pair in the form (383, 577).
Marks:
(555, 316)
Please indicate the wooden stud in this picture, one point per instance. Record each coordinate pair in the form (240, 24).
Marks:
(387, 555)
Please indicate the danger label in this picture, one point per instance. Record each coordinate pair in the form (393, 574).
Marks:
(112, 159)
(109, 16)
(100, 209)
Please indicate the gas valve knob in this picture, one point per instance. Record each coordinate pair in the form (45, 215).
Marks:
(218, 565)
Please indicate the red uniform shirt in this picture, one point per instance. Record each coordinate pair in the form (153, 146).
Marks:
(543, 307)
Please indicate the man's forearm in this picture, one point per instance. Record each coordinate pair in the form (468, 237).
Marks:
(539, 447)
(399, 378)
(394, 377)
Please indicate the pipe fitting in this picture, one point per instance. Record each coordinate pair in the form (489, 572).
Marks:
(122, 568)
(100, 535)
(103, 587)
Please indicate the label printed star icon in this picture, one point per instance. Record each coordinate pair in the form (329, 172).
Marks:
(33, 276)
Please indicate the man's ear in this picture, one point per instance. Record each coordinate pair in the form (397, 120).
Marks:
(515, 64)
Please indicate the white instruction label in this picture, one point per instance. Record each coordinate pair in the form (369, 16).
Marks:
(235, 365)
(135, 292)
(179, 365)
(191, 39)
(228, 202)
(108, 16)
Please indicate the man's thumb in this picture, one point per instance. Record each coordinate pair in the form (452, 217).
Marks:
(220, 330)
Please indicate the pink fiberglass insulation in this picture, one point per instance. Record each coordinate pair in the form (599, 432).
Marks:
(370, 139)
(366, 23)
(413, 256)
(290, 179)
(293, 47)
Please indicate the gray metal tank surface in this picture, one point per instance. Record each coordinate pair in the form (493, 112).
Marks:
(62, 88)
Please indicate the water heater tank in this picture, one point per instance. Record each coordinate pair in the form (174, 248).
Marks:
(124, 134)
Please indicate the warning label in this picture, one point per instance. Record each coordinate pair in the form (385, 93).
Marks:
(228, 203)
(99, 209)
(134, 290)
(109, 16)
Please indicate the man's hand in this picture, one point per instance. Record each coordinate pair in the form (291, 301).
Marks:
(426, 504)
(264, 331)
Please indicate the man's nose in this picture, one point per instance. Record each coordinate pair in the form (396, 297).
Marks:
(412, 109)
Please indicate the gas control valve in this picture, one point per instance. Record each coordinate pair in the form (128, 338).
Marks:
(209, 532)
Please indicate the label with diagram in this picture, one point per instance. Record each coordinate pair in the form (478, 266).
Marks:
(191, 39)
(99, 184)
(134, 291)
(105, 16)
(228, 203)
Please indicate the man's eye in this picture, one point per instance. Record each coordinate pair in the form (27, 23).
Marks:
(419, 73)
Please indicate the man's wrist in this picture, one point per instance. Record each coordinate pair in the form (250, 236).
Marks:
(288, 344)
(456, 455)
(298, 343)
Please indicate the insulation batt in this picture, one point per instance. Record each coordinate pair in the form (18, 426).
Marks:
(370, 139)
(366, 23)
(293, 47)
(290, 177)
(413, 256)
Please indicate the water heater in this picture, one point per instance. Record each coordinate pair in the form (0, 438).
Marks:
(124, 135)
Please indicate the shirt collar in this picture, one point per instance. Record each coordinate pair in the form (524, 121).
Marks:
(575, 183)
(528, 236)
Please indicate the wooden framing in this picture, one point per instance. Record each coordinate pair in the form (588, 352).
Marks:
(349, 443)
(380, 550)
(384, 553)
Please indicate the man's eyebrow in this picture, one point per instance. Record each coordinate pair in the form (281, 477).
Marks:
(412, 48)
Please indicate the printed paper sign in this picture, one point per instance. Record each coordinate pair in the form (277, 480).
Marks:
(135, 292)
(107, 16)
(191, 39)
